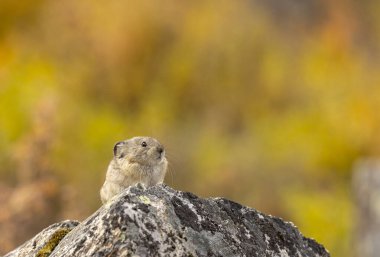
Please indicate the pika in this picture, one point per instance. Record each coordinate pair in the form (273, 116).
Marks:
(136, 160)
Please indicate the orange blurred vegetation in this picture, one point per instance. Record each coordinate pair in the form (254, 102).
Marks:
(268, 103)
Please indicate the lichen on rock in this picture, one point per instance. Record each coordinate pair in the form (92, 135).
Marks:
(44, 242)
(160, 221)
(53, 241)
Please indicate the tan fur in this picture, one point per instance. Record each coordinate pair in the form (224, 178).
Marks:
(132, 164)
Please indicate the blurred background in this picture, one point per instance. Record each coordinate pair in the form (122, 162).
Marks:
(267, 103)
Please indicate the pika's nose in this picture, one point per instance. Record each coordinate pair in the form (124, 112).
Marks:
(160, 150)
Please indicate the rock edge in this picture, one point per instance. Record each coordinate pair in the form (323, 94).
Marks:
(161, 221)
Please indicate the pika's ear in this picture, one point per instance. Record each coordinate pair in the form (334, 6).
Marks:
(117, 148)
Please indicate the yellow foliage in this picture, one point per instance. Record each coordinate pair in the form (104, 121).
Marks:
(252, 100)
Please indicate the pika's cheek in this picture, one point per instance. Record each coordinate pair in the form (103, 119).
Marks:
(150, 152)
(153, 153)
(122, 163)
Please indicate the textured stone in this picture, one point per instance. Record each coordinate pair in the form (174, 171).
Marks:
(161, 221)
(45, 238)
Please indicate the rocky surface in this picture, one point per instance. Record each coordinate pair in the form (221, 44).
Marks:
(161, 221)
(46, 238)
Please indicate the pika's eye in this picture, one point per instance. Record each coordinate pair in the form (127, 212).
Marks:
(143, 144)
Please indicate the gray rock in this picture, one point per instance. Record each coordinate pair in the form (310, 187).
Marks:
(50, 236)
(161, 221)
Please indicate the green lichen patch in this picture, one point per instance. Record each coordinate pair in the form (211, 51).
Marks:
(53, 241)
(144, 199)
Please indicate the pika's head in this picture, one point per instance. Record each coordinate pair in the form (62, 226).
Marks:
(140, 150)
